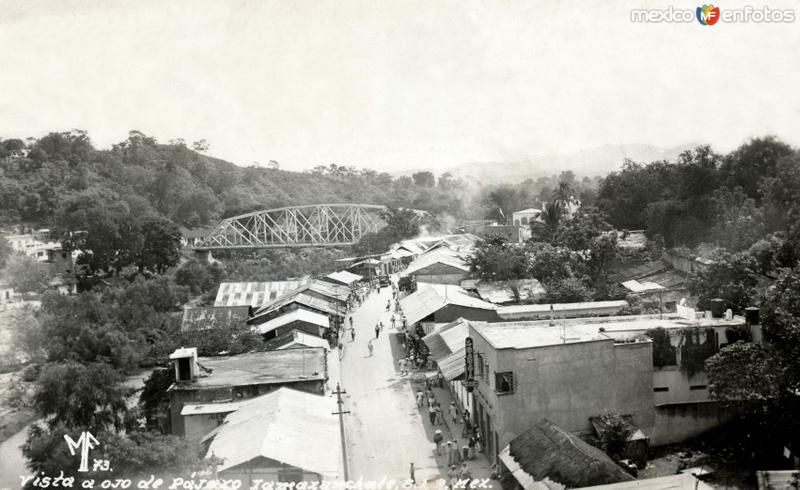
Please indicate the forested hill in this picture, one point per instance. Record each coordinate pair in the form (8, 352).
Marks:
(45, 182)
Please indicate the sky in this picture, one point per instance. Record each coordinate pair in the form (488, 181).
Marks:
(394, 85)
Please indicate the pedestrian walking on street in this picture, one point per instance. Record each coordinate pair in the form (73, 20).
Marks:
(452, 477)
(413, 478)
(370, 347)
(440, 379)
(454, 459)
(453, 411)
(465, 474)
(431, 397)
(403, 368)
(438, 414)
(394, 320)
(377, 330)
(437, 438)
(381, 324)
(351, 322)
(432, 414)
(352, 335)
(388, 305)
(420, 397)
(471, 445)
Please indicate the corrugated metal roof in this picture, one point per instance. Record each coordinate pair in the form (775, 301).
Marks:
(299, 297)
(344, 277)
(255, 294)
(430, 298)
(289, 426)
(300, 314)
(303, 339)
(209, 408)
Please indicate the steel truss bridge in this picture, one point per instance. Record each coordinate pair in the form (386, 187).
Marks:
(318, 225)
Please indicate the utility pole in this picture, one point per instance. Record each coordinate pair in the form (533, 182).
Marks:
(339, 403)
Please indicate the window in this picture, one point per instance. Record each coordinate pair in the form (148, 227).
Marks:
(662, 388)
(479, 372)
(504, 383)
(697, 387)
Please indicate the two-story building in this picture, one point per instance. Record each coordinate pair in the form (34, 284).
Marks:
(528, 371)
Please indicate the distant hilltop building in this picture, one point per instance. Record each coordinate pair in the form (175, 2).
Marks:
(526, 216)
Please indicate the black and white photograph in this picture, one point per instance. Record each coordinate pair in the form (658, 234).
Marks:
(399, 245)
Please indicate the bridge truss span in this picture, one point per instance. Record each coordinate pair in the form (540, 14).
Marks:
(318, 225)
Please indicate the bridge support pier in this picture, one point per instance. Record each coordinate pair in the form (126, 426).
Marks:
(203, 256)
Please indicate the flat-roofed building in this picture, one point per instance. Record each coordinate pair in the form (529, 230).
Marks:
(208, 380)
(526, 372)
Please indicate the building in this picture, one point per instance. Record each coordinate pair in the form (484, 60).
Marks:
(284, 436)
(441, 266)
(304, 320)
(526, 216)
(566, 373)
(212, 380)
(294, 302)
(194, 237)
(545, 456)
(440, 303)
(557, 311)
(512, 291)
(298, 339)
(343, 278)
(205, 318)
(255, 294)
(513, 233)
(655, 280)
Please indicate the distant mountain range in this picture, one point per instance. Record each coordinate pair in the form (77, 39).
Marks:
(590, 162)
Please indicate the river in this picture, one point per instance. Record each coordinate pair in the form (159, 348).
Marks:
(12, 462)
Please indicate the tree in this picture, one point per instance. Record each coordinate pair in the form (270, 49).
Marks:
(135, 454)
(199, 278)
(762, 381)
(161, 242)
(81, 395)
(746, 166)
(552, 217)
(550, 264)
(25, 274)
(739, 223)
(423, 179)
(615, 434)
(730, 276)
(5, 251)
(494, 259)
(566, 290)
(201, 146)
(400, 225)
(154, 399)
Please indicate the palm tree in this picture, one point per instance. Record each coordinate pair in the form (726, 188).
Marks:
(551, 216)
